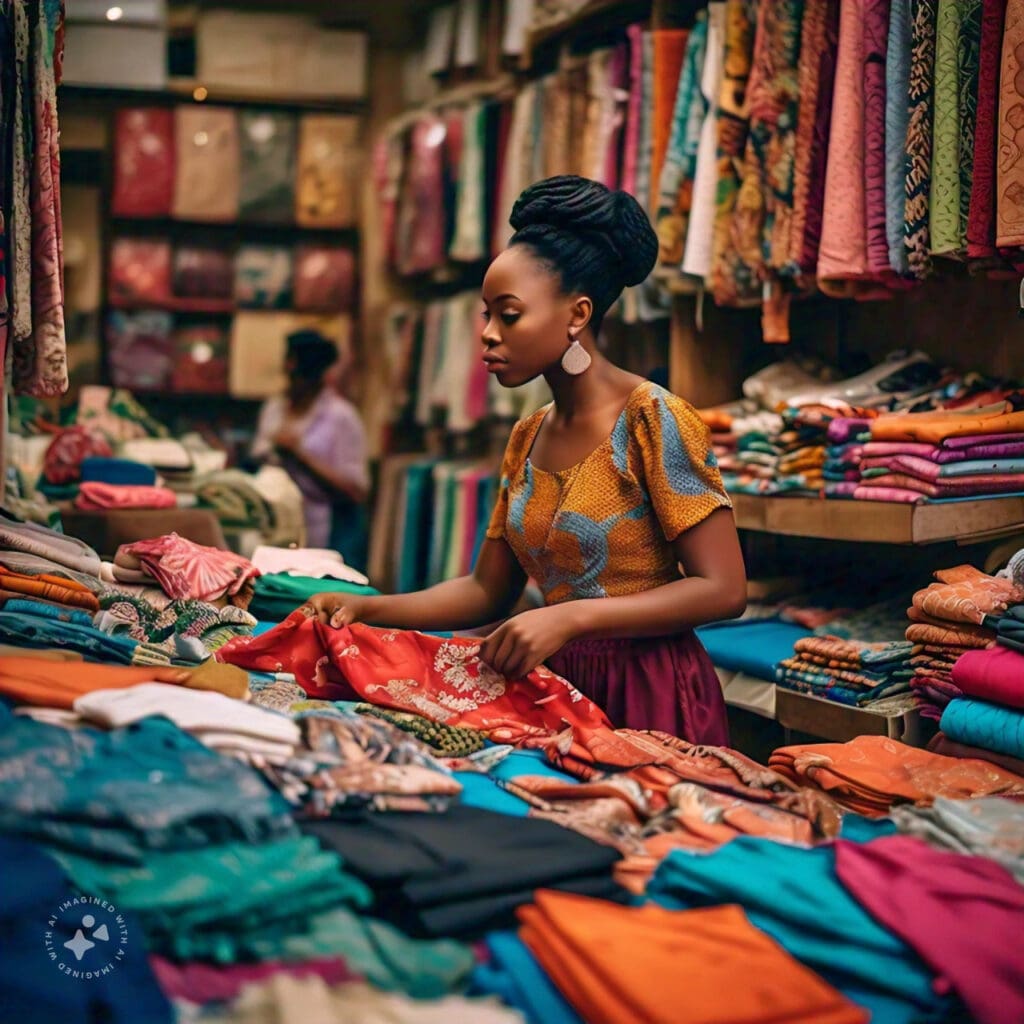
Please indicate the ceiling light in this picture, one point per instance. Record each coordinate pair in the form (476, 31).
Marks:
(115, 13)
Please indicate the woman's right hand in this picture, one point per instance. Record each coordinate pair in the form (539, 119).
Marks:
(337, 610)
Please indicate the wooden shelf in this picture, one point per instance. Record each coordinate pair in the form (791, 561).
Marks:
(881, 522)
(594, 15)
(289, 231)
(177, 304)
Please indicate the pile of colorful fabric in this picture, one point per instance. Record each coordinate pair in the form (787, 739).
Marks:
(945, 455)
(950, 617)
(847, 671)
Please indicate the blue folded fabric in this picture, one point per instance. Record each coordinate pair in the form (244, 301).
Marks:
(117, 471)
(514, 976)
(58, 613)
(976, 723)
(754, 647)
(794, 895)
(38, 631)
(35, 988)
(482, 791)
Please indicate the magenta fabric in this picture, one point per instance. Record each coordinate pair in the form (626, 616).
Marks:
(970, 440)
(981, 218)
(846, 428)
(962, 915)
(876, 44)
(883, 449)
(942, 454)
(953, 487)
(663, 683)
(631, 147)
(995, 674)
(204, 983)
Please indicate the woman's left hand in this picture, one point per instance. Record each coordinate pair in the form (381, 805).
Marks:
(522, 643)
(288, 439)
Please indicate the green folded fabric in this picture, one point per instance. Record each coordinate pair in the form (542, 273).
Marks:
(278, 595)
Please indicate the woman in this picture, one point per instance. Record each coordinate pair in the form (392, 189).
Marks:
(318, 438)
(603, 494)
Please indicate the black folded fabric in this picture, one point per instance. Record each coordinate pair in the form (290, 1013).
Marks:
(463, 873)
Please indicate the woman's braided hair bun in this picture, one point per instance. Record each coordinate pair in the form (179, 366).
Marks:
(587, 231)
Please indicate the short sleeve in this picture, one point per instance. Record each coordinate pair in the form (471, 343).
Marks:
(680, 470)
(515, 455)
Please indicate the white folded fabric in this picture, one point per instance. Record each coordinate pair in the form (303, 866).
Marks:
(315, 563)
(195, 711)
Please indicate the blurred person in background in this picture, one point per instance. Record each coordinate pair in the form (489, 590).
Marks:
(317, 436)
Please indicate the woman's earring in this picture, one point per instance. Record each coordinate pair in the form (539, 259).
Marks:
(576, 359)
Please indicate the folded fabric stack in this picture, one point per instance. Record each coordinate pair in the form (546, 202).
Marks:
(847, 671)
(462, 873)
(185, 569)
(988, 720)
(881, 921)
(696, 956)
(872, 774)
(267, 501)
(948, 618)
(94, 496)
(946, 454)
(277, 595)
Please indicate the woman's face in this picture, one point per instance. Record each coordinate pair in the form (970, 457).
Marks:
(526, 317)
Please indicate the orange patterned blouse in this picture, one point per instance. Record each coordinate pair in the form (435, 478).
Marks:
(605, 527)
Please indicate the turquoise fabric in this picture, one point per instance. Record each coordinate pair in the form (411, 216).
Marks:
(754, 647)
(793, 895)
(976, 723)
(528, 762)
(972, 467)
(512, 974)
(41, 632)
(118, 794)
(858, 829)
(26, 606)
(278, 594)
(419, 506)
(482, 791)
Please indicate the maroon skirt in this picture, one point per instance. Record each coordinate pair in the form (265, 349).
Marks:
(664, 683)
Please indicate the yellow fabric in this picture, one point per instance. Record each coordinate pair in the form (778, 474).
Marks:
(605, 527)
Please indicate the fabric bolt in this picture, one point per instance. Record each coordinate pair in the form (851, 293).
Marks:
(676, 181)
(697, 252)
(33, 988)
(730, 278)
(207, 171)
(877, 18)
(143, 162)
(924, 895)
(995, 675)
(870, 774)
(976, 723)
(462, 873)
(981, 218)
(793, 895)
(945, 192)
(698, 956)
(268, 142)
(897, 118)
(818, 52)
(1010, 165)
(992, 828)
(669, 54)
(921, 106)
(121, 794)
(843, 253)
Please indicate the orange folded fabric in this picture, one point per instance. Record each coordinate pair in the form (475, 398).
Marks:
(648, 965)
(935, 427)
(932, 632)
(718, 421)
(871, 774)
(52, 684)
(54, 589)
(966, 594)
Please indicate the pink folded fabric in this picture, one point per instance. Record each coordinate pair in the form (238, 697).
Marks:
(893, 494)
(987, 483)
(94, 496)
(185, 569)
(995, 675)
(960, 914)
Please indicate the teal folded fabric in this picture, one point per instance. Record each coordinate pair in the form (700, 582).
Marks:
(989, 726)
(278, 595)
(39, 609)
(754, 647)
(974, 467)
(794, 895)
(39, 631)
(117, 471)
